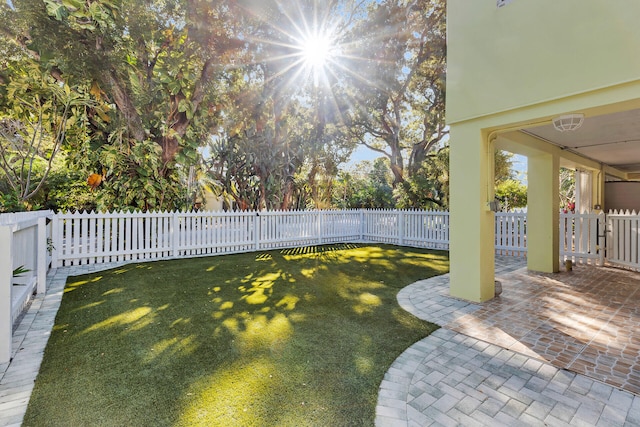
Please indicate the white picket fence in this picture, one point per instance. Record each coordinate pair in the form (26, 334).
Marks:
(90, 238)
(423, 229)
(23, 243)
(623, 230)
(511, 233)
(27, 239)
(582, 238)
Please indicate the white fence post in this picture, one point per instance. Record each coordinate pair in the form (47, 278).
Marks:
(602, 229)
(256, 231)
(55, 240)
(42, 256)
(174, 233)
(401, 228)
(6, 273)
(319, 227)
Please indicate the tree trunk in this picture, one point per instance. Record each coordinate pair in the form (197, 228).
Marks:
(125, 105)
(287, 194)
(397, 162)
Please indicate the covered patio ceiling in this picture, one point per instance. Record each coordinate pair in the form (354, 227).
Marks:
(611, 139)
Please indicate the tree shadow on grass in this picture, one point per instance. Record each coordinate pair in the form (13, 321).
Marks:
(291, 337)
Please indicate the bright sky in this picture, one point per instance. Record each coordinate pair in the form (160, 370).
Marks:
(520, 166)
(363, 153)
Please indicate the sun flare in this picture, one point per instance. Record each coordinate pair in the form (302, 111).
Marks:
(316, 50)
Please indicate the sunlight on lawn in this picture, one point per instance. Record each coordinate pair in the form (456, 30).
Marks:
(75, 285)
(208, 402)
(289, 338)
(261, 287)
(170, 348)
(135, 319)
(258, 331)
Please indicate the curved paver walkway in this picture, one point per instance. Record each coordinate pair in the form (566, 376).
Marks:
(452, 379)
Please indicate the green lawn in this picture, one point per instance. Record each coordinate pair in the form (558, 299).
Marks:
(281, 338)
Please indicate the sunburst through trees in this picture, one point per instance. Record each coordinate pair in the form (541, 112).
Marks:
(305, 81)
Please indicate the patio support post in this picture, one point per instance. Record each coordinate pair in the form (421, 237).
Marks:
(472, 232)
(597, 188)
(543, 213)
(6, 269)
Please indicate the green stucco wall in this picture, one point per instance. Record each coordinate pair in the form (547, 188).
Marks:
(535, 51)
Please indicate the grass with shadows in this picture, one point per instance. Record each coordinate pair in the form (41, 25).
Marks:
(289, 338)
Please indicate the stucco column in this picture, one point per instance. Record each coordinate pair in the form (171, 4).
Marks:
(472, 224)
(543, 213)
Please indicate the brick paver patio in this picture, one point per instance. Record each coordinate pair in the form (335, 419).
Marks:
(586, 321)
(554, 349)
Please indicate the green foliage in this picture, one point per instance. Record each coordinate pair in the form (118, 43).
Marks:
(19, 271)
(10, 202)
(134, 179)
(510, 191)
(367, 186)
(567, 188)
(252, 168)
(164, 78)
(399, 88)
(153, 69)
(512, 194)
(66, 190)
(39, 117)
(503, 169)
(428, 187)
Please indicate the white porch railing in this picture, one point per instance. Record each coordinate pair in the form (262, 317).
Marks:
(23, 243)
(623, 229)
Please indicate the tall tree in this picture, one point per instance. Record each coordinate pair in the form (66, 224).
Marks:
(162, 64)
(284, 101)
(398, 106)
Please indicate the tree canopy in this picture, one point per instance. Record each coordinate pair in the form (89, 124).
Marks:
(122, 104)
